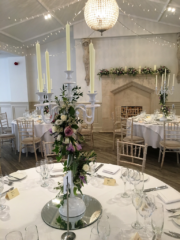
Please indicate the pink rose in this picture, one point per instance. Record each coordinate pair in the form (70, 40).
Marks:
(68, 131)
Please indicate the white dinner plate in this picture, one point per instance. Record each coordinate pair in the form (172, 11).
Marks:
(19, 174)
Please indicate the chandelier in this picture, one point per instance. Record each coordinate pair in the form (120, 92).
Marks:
(101, 15)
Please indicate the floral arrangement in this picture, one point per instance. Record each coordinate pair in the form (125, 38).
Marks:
(46, 108)
(161, 70)
(132, 71)
(103, 72)
(117, 71)
(147, 70)
(67, 145)
(162, 102)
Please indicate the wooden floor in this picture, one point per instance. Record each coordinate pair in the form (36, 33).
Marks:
(170, 174)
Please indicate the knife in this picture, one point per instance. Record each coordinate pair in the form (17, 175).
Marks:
(60, 175)
(155, 189)
(4, 193)
(175, 216)
(14, 177)
(100, 166)
(101, 176)
(172, 235)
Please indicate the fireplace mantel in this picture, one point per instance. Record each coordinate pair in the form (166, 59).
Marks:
(127, 91)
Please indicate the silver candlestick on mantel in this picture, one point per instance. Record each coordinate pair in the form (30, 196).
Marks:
(53, 107)
(165, 89)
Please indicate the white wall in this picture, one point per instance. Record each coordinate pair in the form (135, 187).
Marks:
(5, 92)
(131, 51)
(57, 52)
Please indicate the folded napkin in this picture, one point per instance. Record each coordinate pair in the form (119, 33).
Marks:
(111, 169)
(57, 170)
(18, 174)
(169, 196)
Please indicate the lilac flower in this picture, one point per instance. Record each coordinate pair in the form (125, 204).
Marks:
(50, 130)
(70, 148)
(78, 146)
(83, 179)
(68, 131)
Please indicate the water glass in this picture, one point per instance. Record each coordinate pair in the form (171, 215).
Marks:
(137, 202)
(103, 227)
(31, 233)
(157, 220)
(15, 235)
(49, 163)
(2, 207)
(124, 177)
(94, 234)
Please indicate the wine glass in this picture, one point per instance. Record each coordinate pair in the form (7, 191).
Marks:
(103, 227)
(31, 233)
(49, 163)
(137, 202)
(124, 176)
(147, 207)
(157, 220)
(44, 174)
(38, 170)
(15, 235)
(139, 182)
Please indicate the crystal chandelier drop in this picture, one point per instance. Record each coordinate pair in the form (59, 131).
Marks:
(101, 15)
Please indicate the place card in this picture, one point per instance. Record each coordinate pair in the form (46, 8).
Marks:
(12, 194)
(109, 182)
(136, 237)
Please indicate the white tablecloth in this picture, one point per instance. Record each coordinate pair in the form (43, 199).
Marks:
(26, 208)
(40, 130)
(152, 134)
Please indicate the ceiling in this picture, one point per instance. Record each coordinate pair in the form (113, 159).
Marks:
(22, 22)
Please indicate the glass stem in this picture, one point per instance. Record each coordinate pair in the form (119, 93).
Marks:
(124, 187)
(137, 220)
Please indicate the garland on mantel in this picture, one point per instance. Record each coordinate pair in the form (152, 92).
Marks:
(132, 71)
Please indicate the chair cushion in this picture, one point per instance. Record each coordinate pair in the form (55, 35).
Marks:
(7, 135)
(170, 144)
(117, 130)
(85, 131)
(135, 139)
(30, 140)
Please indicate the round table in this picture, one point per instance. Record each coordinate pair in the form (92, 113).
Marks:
(152, 133)
(25, 209)
(40, 130)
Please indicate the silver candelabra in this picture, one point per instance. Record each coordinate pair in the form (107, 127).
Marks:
(53, 107)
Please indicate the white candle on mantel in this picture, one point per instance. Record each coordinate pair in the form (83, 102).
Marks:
(139, 69)
(68, 52)
(125, 69)
(165, 76)
(173, 79)
(156, 80)
(154, 67)
(38, 56)
(48, 72)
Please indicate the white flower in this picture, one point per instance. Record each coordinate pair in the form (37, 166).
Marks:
(59, 137)
(58, 122)
(74, 130)
(66, 141)
(63, 117)
(85, 168)
(54, 129)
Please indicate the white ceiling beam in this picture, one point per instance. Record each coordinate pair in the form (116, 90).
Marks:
(164, 9)
(48, 9)
(8, 35)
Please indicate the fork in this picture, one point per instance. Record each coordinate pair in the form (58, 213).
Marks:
(8, 182)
